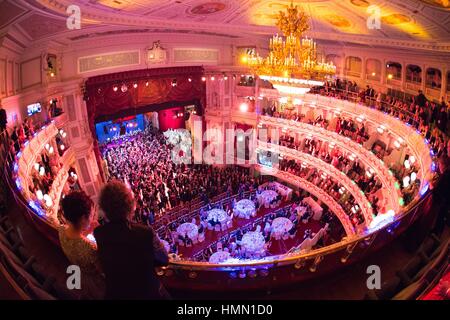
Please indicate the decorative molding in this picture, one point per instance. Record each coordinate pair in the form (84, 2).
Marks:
(108, 60)
(144, 74)
(246, 24)
(3, 77)
(156, 54)
(195, 55)
(29, 68)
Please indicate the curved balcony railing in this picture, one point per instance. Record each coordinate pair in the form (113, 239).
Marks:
(345, 181)
(348, 250)
(367, 157)
(56, 190)
(316, 191)
(411, 136)
(386, 107)
(28, 155)
(24, 165)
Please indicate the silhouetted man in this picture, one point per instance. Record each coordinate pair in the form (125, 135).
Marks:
(3, 120)
(421, 99)
(128, 252)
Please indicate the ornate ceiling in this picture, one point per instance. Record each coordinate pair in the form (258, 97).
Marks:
(424, 21)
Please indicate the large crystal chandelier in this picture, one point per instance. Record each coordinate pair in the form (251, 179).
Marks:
(292, 58)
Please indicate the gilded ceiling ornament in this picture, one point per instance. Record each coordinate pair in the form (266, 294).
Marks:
(294, 23)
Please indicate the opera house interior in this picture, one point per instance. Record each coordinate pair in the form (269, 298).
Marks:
(224, 149)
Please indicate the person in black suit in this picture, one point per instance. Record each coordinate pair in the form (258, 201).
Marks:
(128, 252)
(421, 99)
(3, 119)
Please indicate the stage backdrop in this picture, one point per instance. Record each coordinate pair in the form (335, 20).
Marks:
(155, 91)
(168, 119)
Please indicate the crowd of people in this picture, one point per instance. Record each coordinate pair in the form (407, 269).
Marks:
(429, 117)
(367, 181)
(329, 185)
(159, 184)
(345, 126)
(20, 134)
(430, 120)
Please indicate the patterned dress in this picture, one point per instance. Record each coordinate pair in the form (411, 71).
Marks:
(83, 253)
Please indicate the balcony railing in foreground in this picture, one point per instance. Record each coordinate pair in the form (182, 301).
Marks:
(347, 249)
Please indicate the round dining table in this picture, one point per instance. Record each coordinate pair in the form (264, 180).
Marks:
(266, 197)
(253, 243)
(217, 215)
(188, 229)
(280, 226)
(219, 256)
(245, 208)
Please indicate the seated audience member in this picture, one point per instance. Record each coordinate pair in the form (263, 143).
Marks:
(128, 252)
(77, 213)
(307, 234)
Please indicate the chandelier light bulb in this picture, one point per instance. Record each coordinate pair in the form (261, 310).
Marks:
(243, 107)
(406, 182)
(39, 195)
(407, 164)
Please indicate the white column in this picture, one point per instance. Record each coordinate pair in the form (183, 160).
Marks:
(403, 84)
(81, 141)
(363, 69)
(443, 83)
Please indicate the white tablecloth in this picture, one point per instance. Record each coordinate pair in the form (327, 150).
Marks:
(253, 243)
(316, 208)
(217, 215)
(284, 191)
(300, 210)
(265, 197)
(244, 208)
(188, 229)
(280, 226)
(219, 256)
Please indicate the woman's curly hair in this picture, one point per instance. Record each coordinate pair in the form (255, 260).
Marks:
(76, 205)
